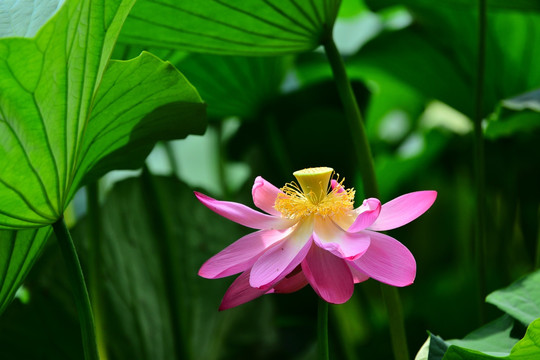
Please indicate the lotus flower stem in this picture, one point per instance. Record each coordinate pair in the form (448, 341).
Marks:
(480, 236)
(367, 169)
(394, 309)
(78, 286)
(322, 330)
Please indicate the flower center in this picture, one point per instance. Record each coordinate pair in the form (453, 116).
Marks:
(314, 196)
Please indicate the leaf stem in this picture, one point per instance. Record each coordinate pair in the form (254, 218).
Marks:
(367, 170)
(95, 268)
(322, 330)
(354, 118)
(479, 162)
(78, 286)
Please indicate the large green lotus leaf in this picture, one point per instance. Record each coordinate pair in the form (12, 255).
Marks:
(25, 18)
(521, 299)
(491, 341)
(137, 312)
(139, 102)
(527, 348)
(234, 85)
(248, 27)
(437, 347)
(56, 123)
(154, 304)
(18, 252)
(438, 54)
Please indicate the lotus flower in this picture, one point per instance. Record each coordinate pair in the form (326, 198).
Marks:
(312, 233)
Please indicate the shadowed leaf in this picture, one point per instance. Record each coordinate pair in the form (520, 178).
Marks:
(235, 86)
(18, 252)
(148, 256)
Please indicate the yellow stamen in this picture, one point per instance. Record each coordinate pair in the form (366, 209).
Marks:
(314, 196)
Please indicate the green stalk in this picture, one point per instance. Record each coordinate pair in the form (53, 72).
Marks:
(480, 234)
(367, 169)
(353, 117)
(78, 286)
(322, 330)
(95, 273)
(397, 325)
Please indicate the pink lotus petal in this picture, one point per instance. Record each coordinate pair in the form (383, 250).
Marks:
(281, 259)
(333, 238)
(242, 254)
(291, 283)
(244, 215)
(265, 195)
(358, 276)
(367, 214)
(334, 184)
(328, 275)
(404, 209)
(387, 260)
(239, 292)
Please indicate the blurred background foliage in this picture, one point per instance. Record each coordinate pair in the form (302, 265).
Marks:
(413, 67)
